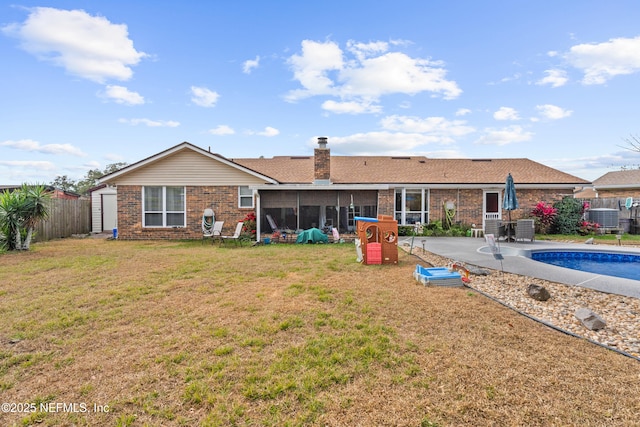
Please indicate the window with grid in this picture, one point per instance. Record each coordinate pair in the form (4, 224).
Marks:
(163, 206)
(245, 197)
(411, 205)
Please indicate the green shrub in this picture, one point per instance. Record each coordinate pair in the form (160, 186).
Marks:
(405, 230)
(568, 217)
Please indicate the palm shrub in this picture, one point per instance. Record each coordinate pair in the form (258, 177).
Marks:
(10, 203)
(20, 212)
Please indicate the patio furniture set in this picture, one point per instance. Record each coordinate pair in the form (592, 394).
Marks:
(522, 229)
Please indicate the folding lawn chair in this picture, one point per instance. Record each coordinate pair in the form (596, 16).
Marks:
(236, 234)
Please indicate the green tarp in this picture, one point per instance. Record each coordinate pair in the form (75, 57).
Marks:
(312, 235)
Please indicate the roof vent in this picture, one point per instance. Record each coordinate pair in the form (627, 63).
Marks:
(401, 158)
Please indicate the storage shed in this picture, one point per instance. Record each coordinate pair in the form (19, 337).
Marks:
(104, 208)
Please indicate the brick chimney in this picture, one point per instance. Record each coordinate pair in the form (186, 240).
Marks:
(322, 162)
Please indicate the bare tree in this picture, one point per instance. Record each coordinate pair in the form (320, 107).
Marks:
(633, 143)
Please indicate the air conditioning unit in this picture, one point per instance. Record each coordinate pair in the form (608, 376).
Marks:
(606, 218)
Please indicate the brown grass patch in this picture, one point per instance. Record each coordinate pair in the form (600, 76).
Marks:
(175, 333)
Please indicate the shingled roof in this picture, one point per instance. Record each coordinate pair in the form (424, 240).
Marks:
(618, 179)
(410, 170)
(383, 170)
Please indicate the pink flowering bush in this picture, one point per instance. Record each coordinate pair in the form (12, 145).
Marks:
(249, 226)
(588, 227)
(544, 214)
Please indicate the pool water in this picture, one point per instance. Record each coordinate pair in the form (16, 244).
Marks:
(610, 264)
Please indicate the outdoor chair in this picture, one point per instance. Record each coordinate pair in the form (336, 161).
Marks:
(525, 229)
(494, 226)
(211, 231)
(215, 232)
(236, 235)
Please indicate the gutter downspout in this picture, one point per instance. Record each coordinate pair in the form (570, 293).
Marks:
(258, 217)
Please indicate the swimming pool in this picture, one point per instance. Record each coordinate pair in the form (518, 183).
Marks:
(611, 264)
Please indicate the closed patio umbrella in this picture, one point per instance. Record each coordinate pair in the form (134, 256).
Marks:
(510, 201)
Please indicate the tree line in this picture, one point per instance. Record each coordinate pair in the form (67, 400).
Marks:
(82, 186)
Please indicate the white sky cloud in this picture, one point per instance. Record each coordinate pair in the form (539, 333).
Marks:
(151, 123)
(364, 50)
(35, 146)
(268, 132)
(463, 112)
(382, 143)
(27, 171)
(250, 64)
(438, 129)
(395, 72)
(87, 46)
(602, 61)
(506, 113)
(31, 164)
(553, 112)
(122, 95)
(595, 165)
(504, 136)
(512, 78)
(351, 107)
(312, 66)
(221, 130)
(404, 135)
(369, 72)
(554, 78)
(204, 97)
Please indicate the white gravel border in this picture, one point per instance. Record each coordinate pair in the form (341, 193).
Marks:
(621, 313)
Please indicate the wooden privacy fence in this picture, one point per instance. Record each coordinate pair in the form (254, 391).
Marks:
(66, 217)
(607, 203)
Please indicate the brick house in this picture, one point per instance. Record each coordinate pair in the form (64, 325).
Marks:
(620, 184)
(165, 195)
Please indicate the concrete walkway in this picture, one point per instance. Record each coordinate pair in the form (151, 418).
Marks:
(475, 251)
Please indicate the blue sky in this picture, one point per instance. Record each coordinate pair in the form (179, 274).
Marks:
(89, 83)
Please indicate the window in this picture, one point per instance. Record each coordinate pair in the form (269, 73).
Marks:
(412, 205)
(245, 197)
(163, 206)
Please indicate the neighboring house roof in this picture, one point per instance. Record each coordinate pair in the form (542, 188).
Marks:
(585, 193)
(63, 194)
(55, 192)
(618, 179)
(412, 170)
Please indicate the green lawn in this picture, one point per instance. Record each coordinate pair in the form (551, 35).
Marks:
(115, 333)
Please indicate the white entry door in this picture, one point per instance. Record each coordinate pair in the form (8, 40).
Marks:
(491, 206)
(109, 212)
